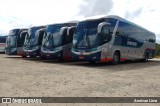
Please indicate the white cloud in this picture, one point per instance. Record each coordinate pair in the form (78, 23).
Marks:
(142, 12)
(40, 11)
(16, 13)
(36, 12)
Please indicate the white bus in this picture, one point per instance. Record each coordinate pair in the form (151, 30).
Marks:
(112, 39)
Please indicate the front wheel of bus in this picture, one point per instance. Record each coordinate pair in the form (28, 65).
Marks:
(42, 57)
(116, 58)
(24, 56)
(146, 58)
(33, 56)
(92, 62)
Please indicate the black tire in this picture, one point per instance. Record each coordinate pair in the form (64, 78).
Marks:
(116, 58)
(33, 56)
(42, 57)
(92, 62)
(24, 56)
(146, 57)
(61, 59)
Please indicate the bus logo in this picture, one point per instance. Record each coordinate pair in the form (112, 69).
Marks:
(131, 43)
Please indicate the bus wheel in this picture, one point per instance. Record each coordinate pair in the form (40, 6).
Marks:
(61, 59)
(42, 57)
(92, 62)
(116, 58)
(32, 56)
(146, 57)
(24, 56)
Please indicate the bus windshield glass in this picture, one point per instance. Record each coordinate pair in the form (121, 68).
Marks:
(31, 39)
(86, 35)
(11, 39)
(52, 37)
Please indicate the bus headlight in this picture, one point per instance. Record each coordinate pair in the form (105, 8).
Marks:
(93, 49)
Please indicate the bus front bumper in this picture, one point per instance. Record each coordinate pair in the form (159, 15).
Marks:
(31, 53)
(86, 56)
(55, 55)
(11, 51)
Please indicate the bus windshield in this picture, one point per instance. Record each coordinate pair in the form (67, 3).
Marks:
(52, 37)
(11, 39)
(86, 35)
(31, 39)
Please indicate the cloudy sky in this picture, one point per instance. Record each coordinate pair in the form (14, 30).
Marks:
(26, 13)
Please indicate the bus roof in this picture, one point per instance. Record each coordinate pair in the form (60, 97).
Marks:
(37, 27)
(65, 23)
(19, 29)
(3, 35)
(115, 17)
(41, 29)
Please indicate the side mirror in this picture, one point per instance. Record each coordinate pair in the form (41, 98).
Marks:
(62, 30)
(99, 29)
(70, 28)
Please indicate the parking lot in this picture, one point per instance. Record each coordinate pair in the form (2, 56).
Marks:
(33, 77)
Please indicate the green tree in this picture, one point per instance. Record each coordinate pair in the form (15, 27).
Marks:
(157, 49)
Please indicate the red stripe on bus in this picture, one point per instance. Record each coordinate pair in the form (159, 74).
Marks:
(123, 59)
(110, 59)
(106, 59)
(67, 57)
(150, 49)
(2, 44)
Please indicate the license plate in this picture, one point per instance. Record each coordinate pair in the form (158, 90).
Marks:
(81, 57)
(48, 55)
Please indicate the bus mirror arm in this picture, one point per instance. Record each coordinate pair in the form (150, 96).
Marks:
(100, 26)
(62, 30)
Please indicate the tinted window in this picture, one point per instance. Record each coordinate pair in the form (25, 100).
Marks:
(40, 38)
(2, 39)
(68, 38)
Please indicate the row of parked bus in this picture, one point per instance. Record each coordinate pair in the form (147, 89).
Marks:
(103, 39)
